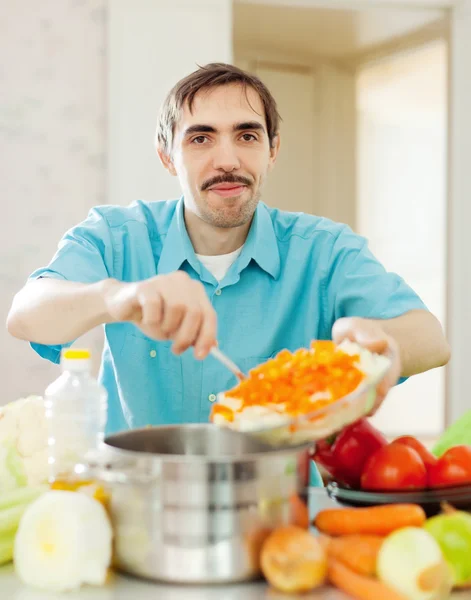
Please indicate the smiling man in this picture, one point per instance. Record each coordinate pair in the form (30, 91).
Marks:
(217, 264)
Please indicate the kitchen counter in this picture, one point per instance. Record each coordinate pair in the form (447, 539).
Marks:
(124, 588)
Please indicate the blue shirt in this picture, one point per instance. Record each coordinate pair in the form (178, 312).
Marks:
(296, 275)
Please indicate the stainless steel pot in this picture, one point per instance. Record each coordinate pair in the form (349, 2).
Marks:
(193, 503)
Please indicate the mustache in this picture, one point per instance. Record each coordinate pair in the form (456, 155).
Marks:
(227, 178)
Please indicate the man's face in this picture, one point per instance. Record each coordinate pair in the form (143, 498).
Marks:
(221, 154)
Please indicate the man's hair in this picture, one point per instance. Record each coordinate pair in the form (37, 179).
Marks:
(204, 78)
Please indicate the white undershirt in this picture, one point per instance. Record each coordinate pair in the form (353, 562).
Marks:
(219, 265)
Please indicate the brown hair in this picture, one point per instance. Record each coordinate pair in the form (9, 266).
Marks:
(210, 76)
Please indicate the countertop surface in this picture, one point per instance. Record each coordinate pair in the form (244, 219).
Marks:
(128, 588)
(122, 587)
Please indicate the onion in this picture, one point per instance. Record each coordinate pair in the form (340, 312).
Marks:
(293, 560)
(411, 562)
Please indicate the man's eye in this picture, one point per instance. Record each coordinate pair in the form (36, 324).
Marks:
(248, 137)
(201, 139)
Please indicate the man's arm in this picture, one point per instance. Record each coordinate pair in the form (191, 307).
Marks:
(414, 341)
(166, 307)
(52, 311)
(417, 336)
(421, 341)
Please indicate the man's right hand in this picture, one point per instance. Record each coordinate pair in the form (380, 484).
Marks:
(166, 307)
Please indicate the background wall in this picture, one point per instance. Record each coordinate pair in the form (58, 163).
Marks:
(77, 129)
(52, 148)
(402, 200)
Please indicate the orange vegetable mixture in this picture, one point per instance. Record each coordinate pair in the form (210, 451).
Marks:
(291, 379)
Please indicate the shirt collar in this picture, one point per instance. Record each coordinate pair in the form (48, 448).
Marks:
(261, 245)
(177, 247)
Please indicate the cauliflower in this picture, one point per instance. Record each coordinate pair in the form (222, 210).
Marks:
(23, 443)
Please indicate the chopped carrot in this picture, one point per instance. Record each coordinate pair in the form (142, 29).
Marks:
(300, 382)
(359, 586)
(223, 411)
(375, 520)
(358, 552)
(299, 512)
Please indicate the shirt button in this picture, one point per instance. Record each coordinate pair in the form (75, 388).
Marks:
(218, 292)
(212, 397)
(153, 353)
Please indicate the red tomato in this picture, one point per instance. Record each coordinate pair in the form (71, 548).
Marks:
(394, 467)
(453, 468)
(428, 458)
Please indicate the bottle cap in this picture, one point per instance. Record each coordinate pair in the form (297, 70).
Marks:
(75, 359)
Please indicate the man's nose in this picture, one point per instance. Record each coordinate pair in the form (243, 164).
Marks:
(225, 157)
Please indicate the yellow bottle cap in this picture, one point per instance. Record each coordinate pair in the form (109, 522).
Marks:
(76, 354)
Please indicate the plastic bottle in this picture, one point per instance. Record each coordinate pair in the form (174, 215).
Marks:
(76, 412)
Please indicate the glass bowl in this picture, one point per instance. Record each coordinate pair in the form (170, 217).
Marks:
(322, 422)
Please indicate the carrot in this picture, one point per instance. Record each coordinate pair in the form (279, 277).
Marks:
(299, 512)
(359, 586)
(357, 552)
(375, 520)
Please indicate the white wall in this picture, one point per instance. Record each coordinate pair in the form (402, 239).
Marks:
(151, 45)
(80, 87)
(52, 148)
(402, 133)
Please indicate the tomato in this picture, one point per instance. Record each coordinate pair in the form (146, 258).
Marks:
(394, 467)
(453, 468)
(345, 456)
(428, 458)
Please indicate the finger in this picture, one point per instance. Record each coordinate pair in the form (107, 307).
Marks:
(188, 331)
(174, 309)
(151, 304)
(360, 331)
(381, 393)
(206, 338)
(387, 383)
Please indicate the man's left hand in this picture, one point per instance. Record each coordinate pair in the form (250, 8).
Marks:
(371, 336)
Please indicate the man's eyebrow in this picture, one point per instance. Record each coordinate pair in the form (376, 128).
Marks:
(244, 126)
(254, 125)
(199, 129)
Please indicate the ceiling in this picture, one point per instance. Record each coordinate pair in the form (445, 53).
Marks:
(310, 32)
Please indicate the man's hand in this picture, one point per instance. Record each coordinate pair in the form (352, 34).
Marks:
(371, 336)
(167, 307)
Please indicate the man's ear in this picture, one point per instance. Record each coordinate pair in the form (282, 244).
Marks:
(274, 149)
(166, 160)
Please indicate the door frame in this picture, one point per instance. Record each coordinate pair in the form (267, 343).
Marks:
(458, 295)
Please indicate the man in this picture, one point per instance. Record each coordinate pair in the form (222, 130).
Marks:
(215, 266)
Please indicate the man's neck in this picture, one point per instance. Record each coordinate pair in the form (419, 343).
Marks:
(208, 240)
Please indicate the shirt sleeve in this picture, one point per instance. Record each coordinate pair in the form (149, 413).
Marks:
(84, 255)
(358, 285)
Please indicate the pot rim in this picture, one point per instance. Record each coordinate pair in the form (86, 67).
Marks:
(266, 451)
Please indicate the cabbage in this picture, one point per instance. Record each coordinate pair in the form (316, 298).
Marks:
(23, 444)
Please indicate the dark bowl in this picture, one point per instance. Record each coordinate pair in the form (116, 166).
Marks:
(430, 500)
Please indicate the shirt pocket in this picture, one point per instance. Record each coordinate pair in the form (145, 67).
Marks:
(155, 389)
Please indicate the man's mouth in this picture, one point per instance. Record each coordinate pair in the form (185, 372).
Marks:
(228, 190)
